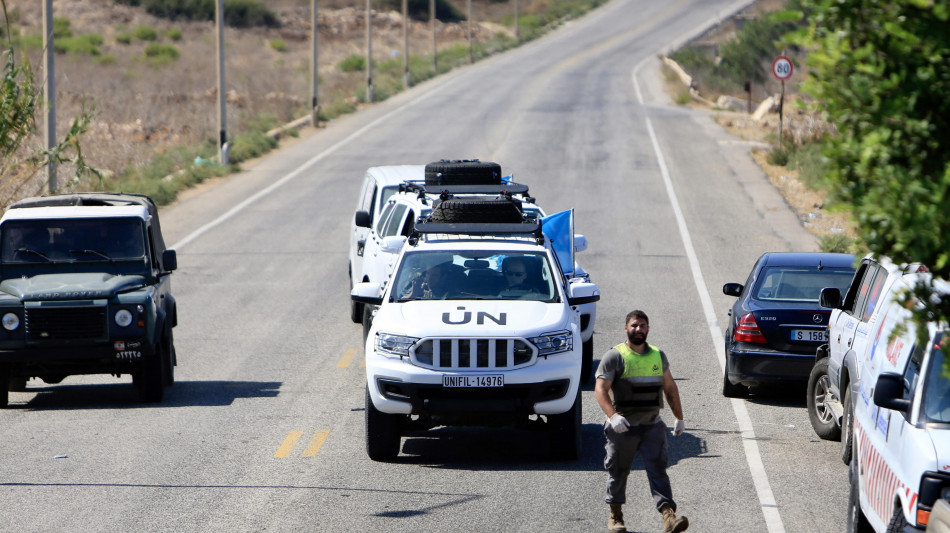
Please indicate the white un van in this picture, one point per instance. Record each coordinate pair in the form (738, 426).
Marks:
(901, 445)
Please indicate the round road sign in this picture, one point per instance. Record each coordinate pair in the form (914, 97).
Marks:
(782, 68)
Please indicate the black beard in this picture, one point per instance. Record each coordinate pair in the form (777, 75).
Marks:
(637, 338)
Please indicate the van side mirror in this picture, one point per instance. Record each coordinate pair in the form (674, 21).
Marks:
(732, 289)
(169, 260)
(580, 243)
(830, 298)
(889, 392)
(362, 219)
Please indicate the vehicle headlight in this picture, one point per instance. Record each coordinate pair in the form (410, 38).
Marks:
(394, 344)
(11, 321)
(552, 343)
(123, 317)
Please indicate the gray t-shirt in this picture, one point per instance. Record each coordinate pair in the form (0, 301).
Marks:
(611, 367)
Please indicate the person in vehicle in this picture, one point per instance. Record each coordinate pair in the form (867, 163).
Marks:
(515, 270)
(435, 284)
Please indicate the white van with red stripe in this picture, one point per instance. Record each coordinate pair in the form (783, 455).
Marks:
(901, 454)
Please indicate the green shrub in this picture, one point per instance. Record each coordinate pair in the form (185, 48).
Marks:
(419, 9)
(837, 242)
(250, 145)
(237, 13)
(157, 54)
(778, 156)
(61, 28)
(145, 33)
(278, 44)
(353, 63)
(123, 38)
(174, 34)
(81, 44)
(108, 59)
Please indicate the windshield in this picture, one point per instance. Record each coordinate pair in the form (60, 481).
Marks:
(800, 284)
(475, 275)
(72, 240)
(936, 401)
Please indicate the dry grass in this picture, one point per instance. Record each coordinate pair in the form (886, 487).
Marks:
(142, 109)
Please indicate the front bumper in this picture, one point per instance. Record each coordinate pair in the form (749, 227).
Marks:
(545, 388)
(119, 356)
(759, 365)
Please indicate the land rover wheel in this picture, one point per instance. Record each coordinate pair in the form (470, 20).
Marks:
(565, 432)
(462, 172)
(587, 359)
(819, 397)
(149, 379)
(459, 210)
(4, 385)
(383, 432)
(168, 360)
(847, 427)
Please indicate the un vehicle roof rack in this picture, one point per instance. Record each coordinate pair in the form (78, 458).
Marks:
(505, 229)
(505, 189)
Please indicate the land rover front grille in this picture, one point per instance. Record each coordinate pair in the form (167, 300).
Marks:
(473, 354)
(65, 323)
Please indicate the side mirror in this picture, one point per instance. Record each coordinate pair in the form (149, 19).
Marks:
(830, 298)
(889, 392)
(392, 244)
(583, 293)
(367, 293)
(169, 260)
(580, 243)
(362, 219)
(732, 289)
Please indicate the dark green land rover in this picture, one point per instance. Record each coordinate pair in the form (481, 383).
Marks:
(85, 288)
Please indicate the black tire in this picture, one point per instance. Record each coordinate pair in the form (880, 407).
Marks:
(367, 321)
(728, 389)
(4, 386)
(462, 172)
(383, 432)
(566, 432)
(587, 360)
(492, 210)
(818, 398)
(150, 378)
(356, 308)
(847, 427)
(898, 523)
(168, 361)
(857, 522)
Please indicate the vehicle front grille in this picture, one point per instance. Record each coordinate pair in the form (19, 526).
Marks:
(473, 354)
(65, 323)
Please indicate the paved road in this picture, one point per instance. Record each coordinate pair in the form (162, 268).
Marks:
(264, 429)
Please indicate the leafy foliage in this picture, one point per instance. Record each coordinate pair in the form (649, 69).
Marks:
(881, 71)
(237, 13)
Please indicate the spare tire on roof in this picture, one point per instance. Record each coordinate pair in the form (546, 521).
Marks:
(463, 172)
(477, 210)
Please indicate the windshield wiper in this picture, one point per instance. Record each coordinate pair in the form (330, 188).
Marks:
(32, 252)
(92, 252)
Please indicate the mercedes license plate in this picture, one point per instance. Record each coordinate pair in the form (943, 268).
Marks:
(473, 381)
(810, 335)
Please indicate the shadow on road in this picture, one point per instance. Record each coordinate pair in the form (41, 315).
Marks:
(125, 396)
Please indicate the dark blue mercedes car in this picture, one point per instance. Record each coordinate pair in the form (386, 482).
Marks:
(776, 323)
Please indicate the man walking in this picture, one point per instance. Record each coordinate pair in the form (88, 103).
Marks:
(635, 373)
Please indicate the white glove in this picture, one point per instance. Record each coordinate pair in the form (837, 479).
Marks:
(679, 428)
(618, 423)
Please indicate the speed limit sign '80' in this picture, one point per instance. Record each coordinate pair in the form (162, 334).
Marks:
(782, 68)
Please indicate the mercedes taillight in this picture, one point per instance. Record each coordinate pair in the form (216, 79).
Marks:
(748, 330)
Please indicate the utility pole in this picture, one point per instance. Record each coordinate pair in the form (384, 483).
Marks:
(405, 34)
(49, 110)
(517, 25)
(370, 91)
(222, 108)
(471, 53)
(435, 50)
(314, 106)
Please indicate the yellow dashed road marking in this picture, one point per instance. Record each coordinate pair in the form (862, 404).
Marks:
(288, 445)
(287, 448)
(347, 358)
(316, 442)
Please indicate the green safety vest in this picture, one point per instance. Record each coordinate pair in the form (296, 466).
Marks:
(640, 386)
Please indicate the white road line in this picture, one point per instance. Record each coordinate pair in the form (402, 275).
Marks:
(760, 479)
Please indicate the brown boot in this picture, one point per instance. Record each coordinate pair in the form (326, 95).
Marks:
(615, 522)
(672, 524)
